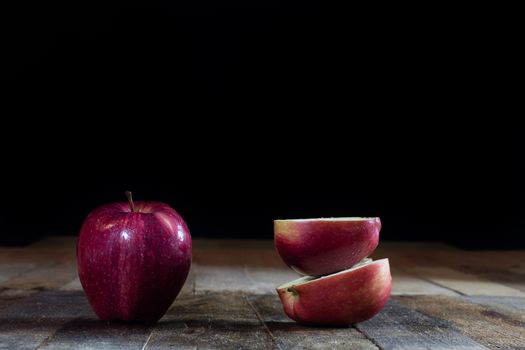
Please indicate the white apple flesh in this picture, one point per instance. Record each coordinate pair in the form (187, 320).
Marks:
(340, 299)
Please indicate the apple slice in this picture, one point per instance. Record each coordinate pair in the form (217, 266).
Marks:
(318, 247)
(340, 299)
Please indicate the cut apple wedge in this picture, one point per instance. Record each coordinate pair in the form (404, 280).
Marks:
(318, 247)
(340, 299)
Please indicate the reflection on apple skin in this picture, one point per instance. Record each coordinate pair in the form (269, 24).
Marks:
(133, 264)
(340, 299)
(318, 247)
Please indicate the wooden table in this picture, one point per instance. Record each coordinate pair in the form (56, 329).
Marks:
(442, 298)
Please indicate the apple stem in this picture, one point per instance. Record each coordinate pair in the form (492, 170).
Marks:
(130, 200)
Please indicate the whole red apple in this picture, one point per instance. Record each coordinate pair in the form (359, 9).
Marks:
(133, 259)
(340, 299)
(319, 247)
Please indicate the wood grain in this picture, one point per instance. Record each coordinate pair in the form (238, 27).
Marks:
(10, 296)
(463, 283)
(404, 283)
(46, 276)
(28, 321)
(509, 278)
(211, 321)
(514, 307)
(493, 329)
(401, 327)
(442, 298)
(90, 333)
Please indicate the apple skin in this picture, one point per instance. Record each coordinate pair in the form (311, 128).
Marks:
(132, 265)
(340, 299)
(322, 246)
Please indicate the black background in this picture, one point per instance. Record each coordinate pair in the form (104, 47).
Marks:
(237, 114)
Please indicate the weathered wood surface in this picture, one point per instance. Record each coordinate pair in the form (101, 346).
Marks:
(464, 283)
(400, 327)
(492, 327)
(442, 298)
(45, 276)
(8, 271)
(213, 320)
(404, 283)
(29, 321)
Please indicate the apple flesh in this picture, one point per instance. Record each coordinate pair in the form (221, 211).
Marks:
(318, 247)
(133, 259)
(340, 299)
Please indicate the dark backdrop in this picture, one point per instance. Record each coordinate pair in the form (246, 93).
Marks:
(236, 114)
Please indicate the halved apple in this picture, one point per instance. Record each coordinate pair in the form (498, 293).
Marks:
(318, 247)
(340, 299)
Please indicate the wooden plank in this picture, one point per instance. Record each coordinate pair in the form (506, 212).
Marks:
(404, 253)
(497, 259)
(289, 335)
(238, 257)
(235, 253)
(43, 277)
(259, 280)
(28, 321)
(8, 271)
(490, 328)
(250, 280)
(213, 320)
(220, 279)
(53, 249)
(264, 280)
(7, 252)
(91, 333)
(255, 253)
(463, 283)
(514, 307)
(404, 283)
(237, 244)
(400, 327)
(11, 255)
(416, 246)
(518, 267)
(229, 301)
(508, 278)
(10, 296)
(72, 285)
(64, 320)
(35, 256)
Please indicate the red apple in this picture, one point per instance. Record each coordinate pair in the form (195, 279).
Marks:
(340, 299)
(319, 247)
(133, 259)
